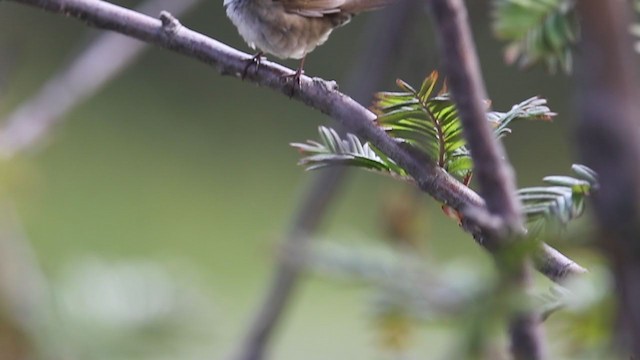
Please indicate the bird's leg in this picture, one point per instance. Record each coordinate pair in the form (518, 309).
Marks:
(255, 60)
(299, 71)
(295, 77)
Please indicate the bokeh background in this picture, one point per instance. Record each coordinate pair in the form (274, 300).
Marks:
(179, 183)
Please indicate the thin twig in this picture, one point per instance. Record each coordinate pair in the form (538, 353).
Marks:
(491, 169)
(316, 93)
(24, 292)
(374, 63)
(313, 209)
(609, 141)
(105, 57)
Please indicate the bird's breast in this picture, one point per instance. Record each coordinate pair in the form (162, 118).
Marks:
(266, 25)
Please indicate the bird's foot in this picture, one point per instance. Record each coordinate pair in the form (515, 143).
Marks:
(294, 81)
(255, 60)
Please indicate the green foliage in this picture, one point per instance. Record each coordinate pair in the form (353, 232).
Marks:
(534, 108)
(426, 119)
(408, 290)
(635, 27)
(553, 207)
(537, 31)
(403, 278)
(334, 150)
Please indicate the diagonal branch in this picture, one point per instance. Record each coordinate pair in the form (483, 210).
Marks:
(316, 93)
(494, 173)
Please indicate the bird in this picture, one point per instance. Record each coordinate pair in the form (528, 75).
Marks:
(291, 29)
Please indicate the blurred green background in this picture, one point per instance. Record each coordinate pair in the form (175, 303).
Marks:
(174, 164)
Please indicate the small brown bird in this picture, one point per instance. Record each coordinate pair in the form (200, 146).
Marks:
(292, 28)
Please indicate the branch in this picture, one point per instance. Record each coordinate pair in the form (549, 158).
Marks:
(460, 60)
(313, 208)
(495, 176)
(610, 144)
(106, 57)
(373, 65)
(316, 93)
(24, 292)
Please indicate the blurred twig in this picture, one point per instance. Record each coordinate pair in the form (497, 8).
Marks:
(7, 65)
(316, 93)
(105, 57)
(494, 173)
(23, 287)
(426, 289)
(609, 141)
(370, 70)
(312, 210)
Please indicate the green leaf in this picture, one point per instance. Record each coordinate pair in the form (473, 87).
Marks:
(552, 207)
(425, 119)
(586, 173)
(428, 120)
(427, 87)
(335, 150)
(534, 108)
(460, 166)
(537, 31)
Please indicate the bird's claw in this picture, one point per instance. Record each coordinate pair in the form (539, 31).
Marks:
(294, 80)
(255, 60)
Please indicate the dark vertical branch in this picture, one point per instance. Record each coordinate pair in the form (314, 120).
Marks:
(494, 174)
(382, 42)
(461, 65)
(608, 134)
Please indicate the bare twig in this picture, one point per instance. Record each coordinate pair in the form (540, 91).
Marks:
(316, 93)
(313, 209)
(554, 265)
(495, 176)
(24, 293)
(105, 57)
(609, 141)
(7, 64)
(369, 72)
